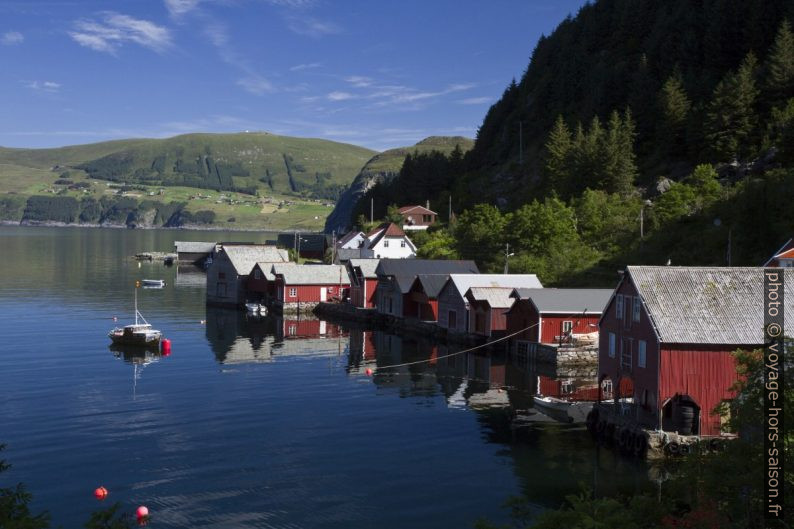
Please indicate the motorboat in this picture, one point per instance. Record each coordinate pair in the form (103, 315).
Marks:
(153, 283)
(256, 309)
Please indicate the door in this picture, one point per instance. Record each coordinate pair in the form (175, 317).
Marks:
(323, 293)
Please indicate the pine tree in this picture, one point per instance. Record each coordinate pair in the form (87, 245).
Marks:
(558, 154)
(731, 118)
(781, 66)
(675, 106)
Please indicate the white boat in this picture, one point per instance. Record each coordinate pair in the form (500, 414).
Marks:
(137, 334)
(256, 308)
(153, 283)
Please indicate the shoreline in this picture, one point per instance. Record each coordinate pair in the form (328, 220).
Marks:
(55, 224)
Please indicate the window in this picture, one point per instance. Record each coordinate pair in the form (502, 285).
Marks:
(641, 354)
(390, 306)
(402, 243)
(619, 306)
(567, 326)
(292, 330)
(453, 320)
(427, 218)
(636, 309)
(293, 292)
(612, 345)
(626, 353)
(386, 243)
(257, 274)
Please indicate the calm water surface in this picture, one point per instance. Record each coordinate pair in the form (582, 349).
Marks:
(256, 423)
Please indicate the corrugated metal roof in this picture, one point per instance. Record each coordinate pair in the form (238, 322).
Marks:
(497, 297)
(313, 274)
(567, 300)
(405, 270)
(464, 282)
(708, 305)
(244, 257)
(194, 247)
(367, 267)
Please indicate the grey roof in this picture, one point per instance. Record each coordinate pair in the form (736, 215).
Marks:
(566, 300)
(367, 267)
(432, 283)
(463, 282)
(245, 256)
(497, 297)
(267, 268)
(313, 274)
(708, 305)
(405, 270)
(194, 247)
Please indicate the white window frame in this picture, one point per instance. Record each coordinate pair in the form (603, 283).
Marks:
(402, 243)
(619, 306)
(636, 309)
(385, 243)
(612, 339)
(293, 292)
(568, 324)
(641, 353)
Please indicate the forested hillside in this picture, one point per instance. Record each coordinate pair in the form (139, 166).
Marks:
(678, 113)
(382, 168)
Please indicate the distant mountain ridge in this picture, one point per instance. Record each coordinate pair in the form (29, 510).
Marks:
(243, 162)
(381, 168)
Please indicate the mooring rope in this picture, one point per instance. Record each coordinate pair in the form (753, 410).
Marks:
(457, 352)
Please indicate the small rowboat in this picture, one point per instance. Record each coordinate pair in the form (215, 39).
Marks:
(153, 283)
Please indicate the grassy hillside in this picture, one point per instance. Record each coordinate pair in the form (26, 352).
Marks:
(259, 180)
(382, 168)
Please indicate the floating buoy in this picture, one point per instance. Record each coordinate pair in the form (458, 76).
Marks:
(203, 322)
(369, 372)
(101, 493)
(142, 513)
(165, 346)
(115, 318)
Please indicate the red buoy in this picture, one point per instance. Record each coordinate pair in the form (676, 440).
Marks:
(142, 513)
(165, 346)
(101, 493)
(369, 372)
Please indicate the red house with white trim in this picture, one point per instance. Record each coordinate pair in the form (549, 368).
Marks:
(417, 217)
(667, 336)
(304, 286)
(555, 314)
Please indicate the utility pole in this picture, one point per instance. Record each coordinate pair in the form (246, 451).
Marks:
(333, 247)
(507, 255)
(295, 245)
(371, 210)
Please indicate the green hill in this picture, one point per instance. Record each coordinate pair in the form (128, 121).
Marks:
(269, 173)
(384, 167)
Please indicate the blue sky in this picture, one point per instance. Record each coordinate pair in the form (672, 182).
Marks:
(376, 73)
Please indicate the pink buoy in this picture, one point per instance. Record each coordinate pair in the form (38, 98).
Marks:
(101, 493)
(369, 372)
(165, 346)
(142, 512)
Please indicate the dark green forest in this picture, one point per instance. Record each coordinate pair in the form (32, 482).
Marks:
(641, 132)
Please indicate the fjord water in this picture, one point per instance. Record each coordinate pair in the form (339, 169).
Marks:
(254, 423)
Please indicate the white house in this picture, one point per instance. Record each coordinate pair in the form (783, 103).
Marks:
(388, 241)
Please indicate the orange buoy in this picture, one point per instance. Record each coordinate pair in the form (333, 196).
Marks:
(165, 346)
(101, 493)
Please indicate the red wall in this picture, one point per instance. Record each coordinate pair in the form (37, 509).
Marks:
(308, 293)
(299, 327)
(703, 372)
(551, 387)
(497, 321)
(551, 325)
(357, 294)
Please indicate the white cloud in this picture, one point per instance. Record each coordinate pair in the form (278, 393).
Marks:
(49, 87)
(115, 30)
(12, 38)
(308, 66)
(180, 7)
(294, 4)
(312, 27)
(256, 85)
(475, 100)
(340, 96)
(359, 81)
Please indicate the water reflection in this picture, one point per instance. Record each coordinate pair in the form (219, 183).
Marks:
(140, 357)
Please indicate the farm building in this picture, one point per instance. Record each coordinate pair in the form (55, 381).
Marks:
(227, 276)
(304, 286)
